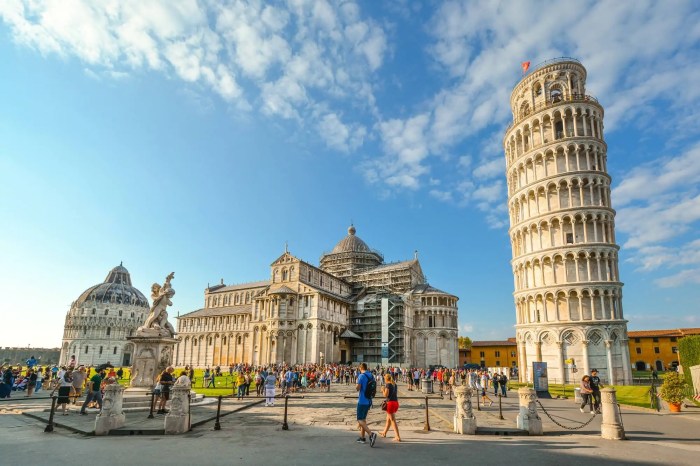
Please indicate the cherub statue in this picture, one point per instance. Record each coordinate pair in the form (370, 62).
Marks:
(158, 318)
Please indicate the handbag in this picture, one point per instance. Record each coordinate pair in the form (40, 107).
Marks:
(383, 406)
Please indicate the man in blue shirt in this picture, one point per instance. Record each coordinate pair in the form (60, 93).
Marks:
(363, 405)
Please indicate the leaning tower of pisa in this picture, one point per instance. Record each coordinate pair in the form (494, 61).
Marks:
(568, 294)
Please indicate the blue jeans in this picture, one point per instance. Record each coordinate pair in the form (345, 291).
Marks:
(97, 396)
(241, 390)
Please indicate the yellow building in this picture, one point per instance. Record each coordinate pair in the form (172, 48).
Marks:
(490, 353)
(656, 349)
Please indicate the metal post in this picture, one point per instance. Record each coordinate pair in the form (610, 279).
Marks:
(153, 400)
(500, 408)
(217, 424)
(189, 411)
(49, 426)
(426, 427)
(285, 426)
(450, 389)
(478, 406)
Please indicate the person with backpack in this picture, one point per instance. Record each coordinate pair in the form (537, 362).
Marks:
(367, 389)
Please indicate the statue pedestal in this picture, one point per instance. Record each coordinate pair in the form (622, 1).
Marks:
(464, 419)
(153, 353)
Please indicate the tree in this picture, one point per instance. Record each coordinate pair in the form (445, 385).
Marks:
(464, 342)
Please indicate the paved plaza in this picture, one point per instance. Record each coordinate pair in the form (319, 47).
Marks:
(322, 430)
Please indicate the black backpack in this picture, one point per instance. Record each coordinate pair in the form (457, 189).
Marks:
(371, 388)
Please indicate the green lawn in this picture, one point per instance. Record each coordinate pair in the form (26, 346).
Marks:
(631, 395)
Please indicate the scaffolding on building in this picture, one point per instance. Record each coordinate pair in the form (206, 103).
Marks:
(366, 321)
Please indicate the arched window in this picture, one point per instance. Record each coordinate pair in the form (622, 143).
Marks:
(106, 312)
(555, 94)
(120, 313)
(285, 275)
(93, 311)
(109, 331)
(223, 341)
(86, 349)
(239, 339)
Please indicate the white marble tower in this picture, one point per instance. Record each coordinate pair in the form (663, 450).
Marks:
(568, 294)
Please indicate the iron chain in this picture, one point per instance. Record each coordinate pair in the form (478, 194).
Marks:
(563, 426)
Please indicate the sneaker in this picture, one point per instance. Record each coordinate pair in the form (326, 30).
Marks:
(581, 409)
(593, 413)
(372, 438)
(361, 440)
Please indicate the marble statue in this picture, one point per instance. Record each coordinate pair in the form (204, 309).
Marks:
(156, 323)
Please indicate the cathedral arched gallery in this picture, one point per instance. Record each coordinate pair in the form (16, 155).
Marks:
(353, 307)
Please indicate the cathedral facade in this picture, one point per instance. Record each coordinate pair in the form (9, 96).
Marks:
(352, 308)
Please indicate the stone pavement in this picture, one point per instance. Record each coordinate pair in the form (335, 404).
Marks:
(322, 430)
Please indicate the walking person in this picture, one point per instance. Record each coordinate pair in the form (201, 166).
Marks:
(270, 382)
(79, 377)
(65, 384)
(586, 393)
(595, 390)
(366, 388)
(504, 385)
(485, 397)
(391, 397)
(94, 391)
(166, 381)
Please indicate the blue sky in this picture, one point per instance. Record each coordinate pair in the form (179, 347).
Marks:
(199, 137)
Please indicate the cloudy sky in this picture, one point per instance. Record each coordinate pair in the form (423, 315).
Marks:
(200, 136)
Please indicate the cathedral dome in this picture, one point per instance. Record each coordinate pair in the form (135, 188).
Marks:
(115, 289)
(351, 243)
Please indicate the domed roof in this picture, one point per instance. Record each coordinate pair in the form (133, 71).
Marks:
(351, 243)
(115, 289)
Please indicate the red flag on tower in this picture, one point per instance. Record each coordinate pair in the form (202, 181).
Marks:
(526, 66)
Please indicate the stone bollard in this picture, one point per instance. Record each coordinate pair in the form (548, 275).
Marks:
(112, 415)
(527, 417)
(177, 420)
(464, 419)
(611, 428)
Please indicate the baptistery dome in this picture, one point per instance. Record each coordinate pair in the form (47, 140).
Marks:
(115, 289)
(99, 321)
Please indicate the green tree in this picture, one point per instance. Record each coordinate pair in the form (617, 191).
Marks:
(689, 349)
(464, 342)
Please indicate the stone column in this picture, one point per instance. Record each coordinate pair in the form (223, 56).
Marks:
(523, 362)
(527, 417)
(608, 352)
(611, 426)
(112, 415)
(464, 419)
(560, 358)
(177, 421)
(626, 362)
(586, 365)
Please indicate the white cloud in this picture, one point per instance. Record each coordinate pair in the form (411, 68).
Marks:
(688, 276)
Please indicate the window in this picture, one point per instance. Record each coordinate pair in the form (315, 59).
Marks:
(656, 350)
(655, 340)
(109, 331)
(638, 350)
(132, 315)
(674, 349)
(674, 339)
(115, 350)
(100, 350)
(569, 238)
(194, 342)
(430, 321)
(106, 312)
(498, 363)
(498, 354)
(223, 341)
(120, 313)
(85, 331)
(93, 311)
(86, 349)
(284, 275)
(482, 354)
(512, 354)
(636, 340)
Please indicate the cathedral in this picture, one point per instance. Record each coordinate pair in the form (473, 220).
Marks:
(352, 308)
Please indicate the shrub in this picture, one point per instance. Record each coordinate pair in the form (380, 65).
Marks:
(689, 349)
(673, 388)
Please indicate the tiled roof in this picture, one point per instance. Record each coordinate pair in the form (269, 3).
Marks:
(241, 286)
(426, 288)
(677, 332)
(494, 343)
(282, 290)
(219, 311)
(387, 267)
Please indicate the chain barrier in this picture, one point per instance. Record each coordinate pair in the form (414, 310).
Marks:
(562, 425)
